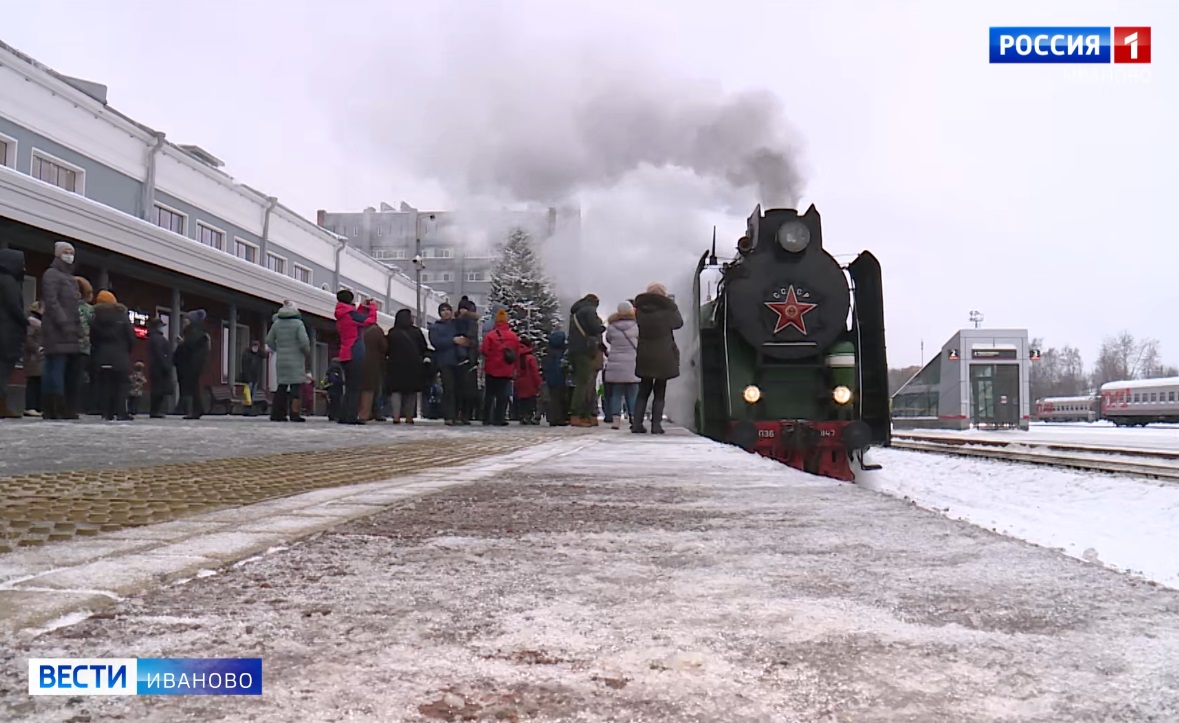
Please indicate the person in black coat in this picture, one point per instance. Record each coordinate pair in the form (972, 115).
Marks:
(159, 366)
(405, 367)
(13, 320)
(190, 358)
(111, 338)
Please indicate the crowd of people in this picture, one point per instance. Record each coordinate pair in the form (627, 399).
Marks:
(72, 334)
(459, 370)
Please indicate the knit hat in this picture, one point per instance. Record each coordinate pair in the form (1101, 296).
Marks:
(62, 247)
(344, 296)
(656, 288)
(466, 304)
(501, 316)
(444, 305)
(624, 307)
(106, 297)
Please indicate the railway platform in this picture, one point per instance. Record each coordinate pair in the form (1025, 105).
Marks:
(435, 574)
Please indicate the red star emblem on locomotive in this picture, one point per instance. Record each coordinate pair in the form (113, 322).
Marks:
(790, 312)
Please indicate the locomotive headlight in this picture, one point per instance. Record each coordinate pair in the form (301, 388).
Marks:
(842, 395)
(752, 394)
(794, 236)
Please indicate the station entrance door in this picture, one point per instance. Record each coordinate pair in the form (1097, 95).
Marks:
(994, 395)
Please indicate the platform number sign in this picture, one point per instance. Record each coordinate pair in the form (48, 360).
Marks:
(1034, 355)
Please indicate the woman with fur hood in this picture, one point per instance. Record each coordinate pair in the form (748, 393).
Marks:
(111, 340)
(658, 357)
(292, 346)
(622, 336)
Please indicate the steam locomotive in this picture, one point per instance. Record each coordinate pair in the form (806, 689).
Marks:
(791, 361)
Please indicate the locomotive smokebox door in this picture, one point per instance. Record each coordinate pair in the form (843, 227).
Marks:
(790, 301)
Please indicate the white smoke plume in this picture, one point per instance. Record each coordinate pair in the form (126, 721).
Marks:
(652, 159)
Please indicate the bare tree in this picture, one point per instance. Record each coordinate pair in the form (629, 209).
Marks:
(1058, 373)
(1073, 381)
(897, 377)
(1124, 357)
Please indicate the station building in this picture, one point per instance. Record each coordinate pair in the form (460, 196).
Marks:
(978, 380)
(164, 228)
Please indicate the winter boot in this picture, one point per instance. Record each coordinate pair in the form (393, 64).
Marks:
(187, 404)
(279, 406)
(5, 412)
(51, 406)
(296, 409)
(63, 409)
(657, 416)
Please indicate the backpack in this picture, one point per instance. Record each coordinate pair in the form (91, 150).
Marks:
(510, 355)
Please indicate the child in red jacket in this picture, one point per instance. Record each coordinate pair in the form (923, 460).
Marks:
(527, 384)
(501, 358)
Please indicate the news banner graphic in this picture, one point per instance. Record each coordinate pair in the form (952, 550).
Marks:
(145, 676)
(1070, 45)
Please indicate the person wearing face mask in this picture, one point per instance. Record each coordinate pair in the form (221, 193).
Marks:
(252, 364)
(61, 330)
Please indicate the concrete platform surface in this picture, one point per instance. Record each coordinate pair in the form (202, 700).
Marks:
(612, 577)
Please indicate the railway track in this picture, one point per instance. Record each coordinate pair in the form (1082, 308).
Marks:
(1158, 464)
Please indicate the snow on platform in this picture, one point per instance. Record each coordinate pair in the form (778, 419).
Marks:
(1126, 523)
(654, 579)
(1097, 434)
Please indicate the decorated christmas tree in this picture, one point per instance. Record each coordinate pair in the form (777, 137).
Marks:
(519, 284)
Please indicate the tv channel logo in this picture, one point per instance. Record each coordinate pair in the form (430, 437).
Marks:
(1070, 45)
(145, 676)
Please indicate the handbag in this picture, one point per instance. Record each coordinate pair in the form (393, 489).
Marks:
(597, 359)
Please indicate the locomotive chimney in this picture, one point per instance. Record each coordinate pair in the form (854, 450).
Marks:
(712, 256)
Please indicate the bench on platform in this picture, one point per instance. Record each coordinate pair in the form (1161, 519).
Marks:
(224, 399)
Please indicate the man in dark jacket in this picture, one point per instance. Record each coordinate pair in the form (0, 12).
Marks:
(585, 338)
(447, 340)
(252, 363)
(61, 330)
(159, 367)
(192, 354)
(13, 321)
(467, 324)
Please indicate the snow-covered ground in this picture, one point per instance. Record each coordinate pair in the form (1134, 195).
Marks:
(1101, 434)
(648, 579)
(1127, 523)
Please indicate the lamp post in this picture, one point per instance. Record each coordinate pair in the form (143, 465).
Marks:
(418, 265)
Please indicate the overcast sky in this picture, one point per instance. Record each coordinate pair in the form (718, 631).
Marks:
(1041, 195)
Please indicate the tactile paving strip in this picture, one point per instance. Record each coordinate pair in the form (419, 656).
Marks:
(57, 506)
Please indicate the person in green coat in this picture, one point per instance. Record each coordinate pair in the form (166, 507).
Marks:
(291, 345)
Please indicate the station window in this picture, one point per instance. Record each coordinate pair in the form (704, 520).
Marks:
(170, 219)
(476, 276)
(7, 151)
(209, 236)
(56, 171)
(245, 250)
(276, 263)
(302, 273)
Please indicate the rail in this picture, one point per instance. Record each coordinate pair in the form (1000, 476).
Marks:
(1159, 464)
